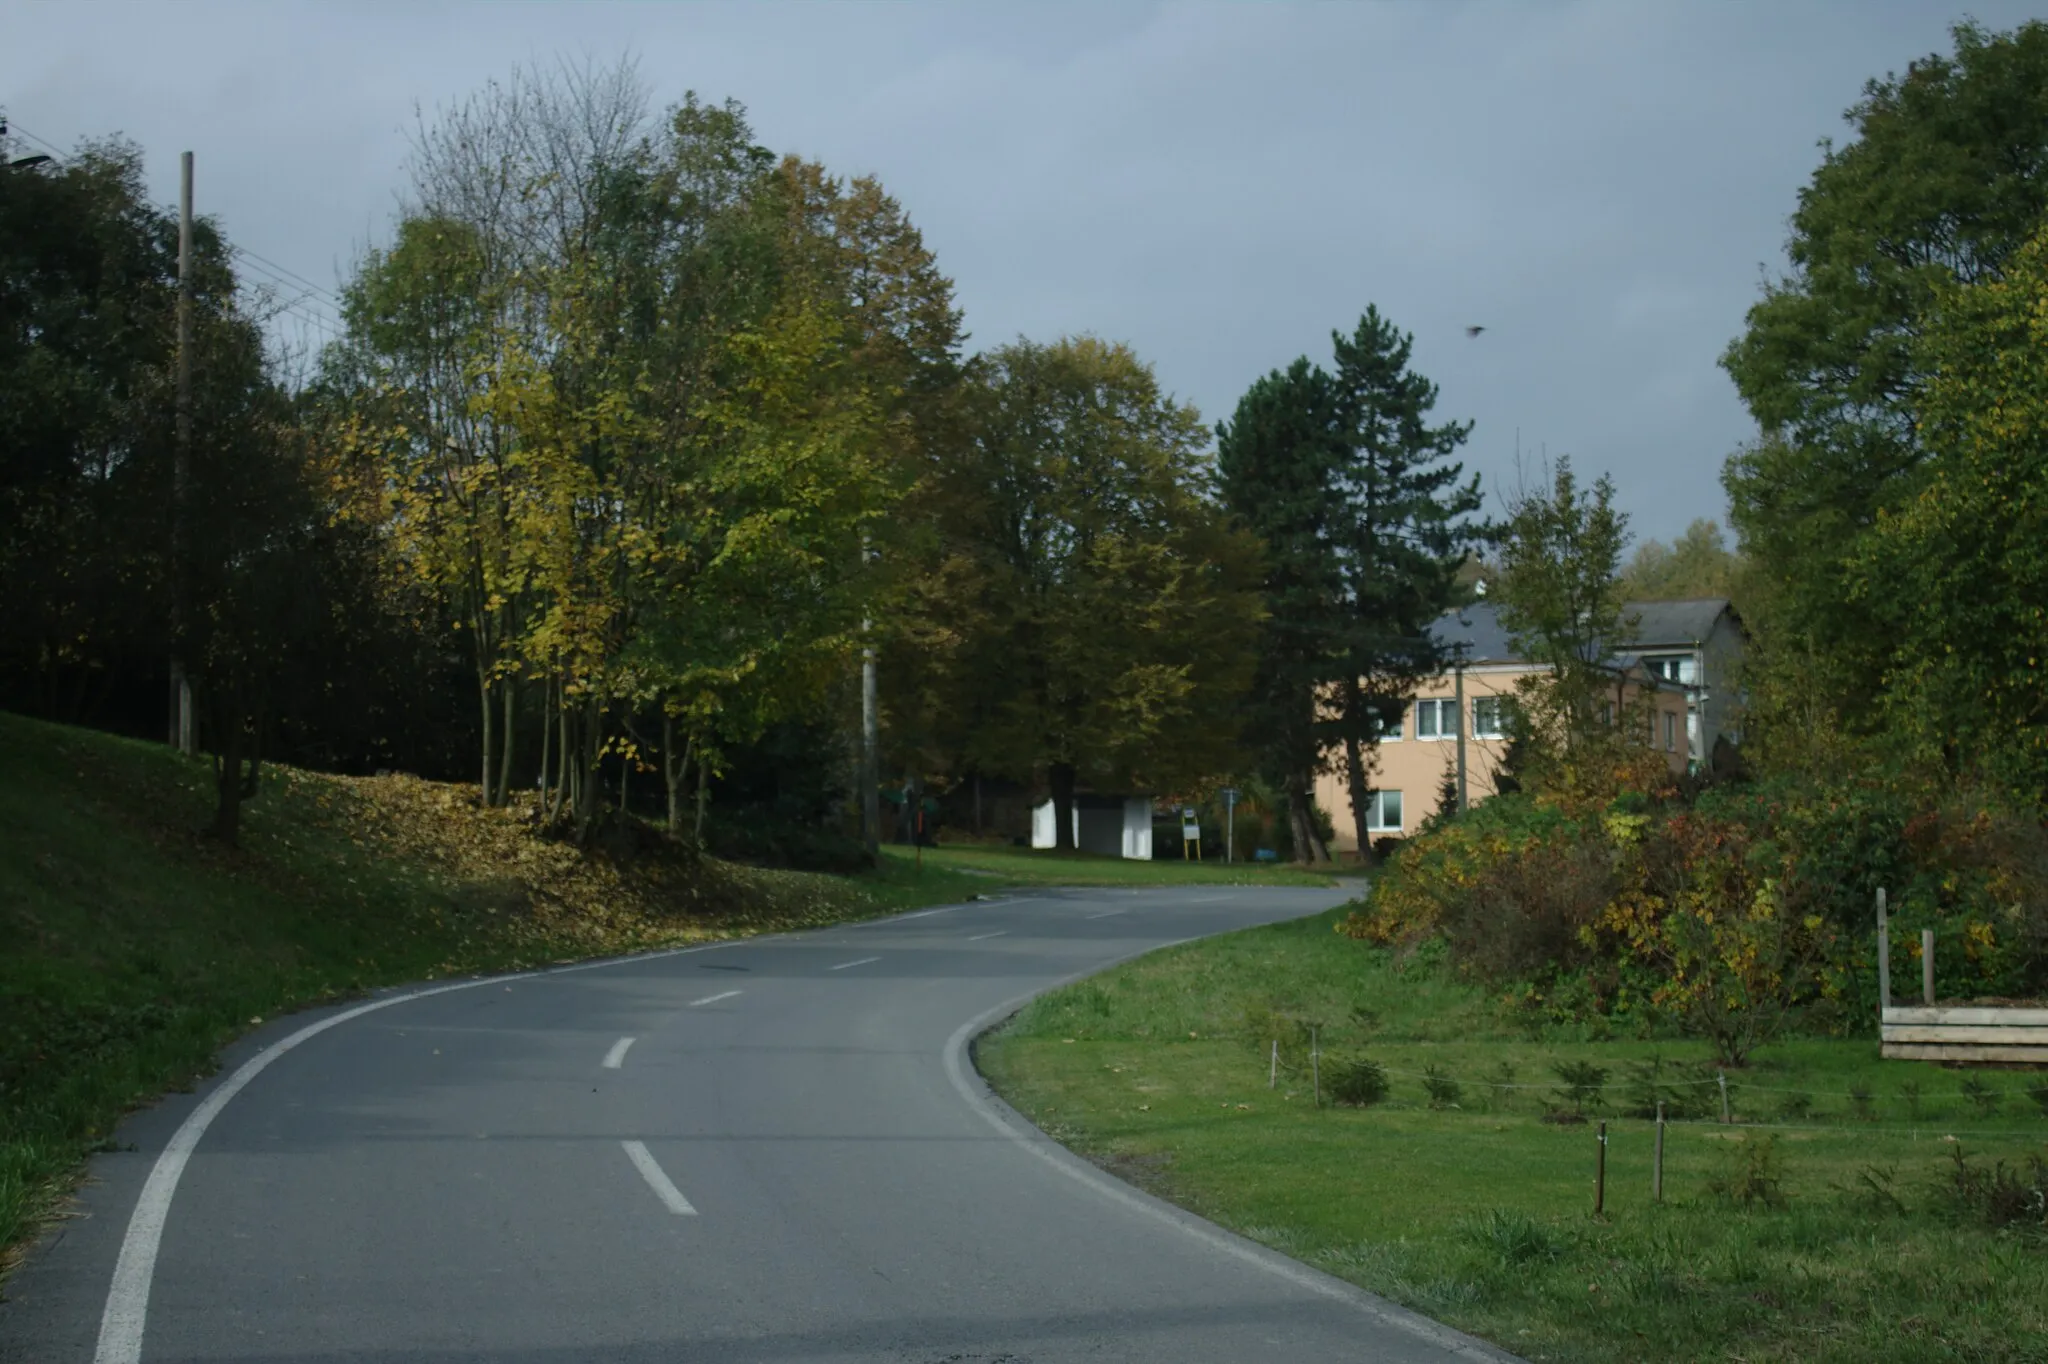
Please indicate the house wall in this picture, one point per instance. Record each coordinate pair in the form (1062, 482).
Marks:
(1415, 767)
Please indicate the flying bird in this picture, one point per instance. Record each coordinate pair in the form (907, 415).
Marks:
(1474, 331)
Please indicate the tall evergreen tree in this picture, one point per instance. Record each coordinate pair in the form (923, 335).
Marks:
(1280, 463)
(1409, 522)
(1365, 525)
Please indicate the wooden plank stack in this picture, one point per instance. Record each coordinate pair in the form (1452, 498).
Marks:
(1997, 1036)
(1967, 1034)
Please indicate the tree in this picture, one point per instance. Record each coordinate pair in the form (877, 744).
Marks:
(1947, 176)
(1281, 465)
(1696, 564)
(1406, 525)
(1560, 601)
(1366, 528)
(1110, 612)
(88, 279)
(1956, 574)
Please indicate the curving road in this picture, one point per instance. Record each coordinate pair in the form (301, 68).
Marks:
(770, 1150)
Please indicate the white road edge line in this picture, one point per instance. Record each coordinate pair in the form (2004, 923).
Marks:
(985, 1102)
(127, 1309)
(997, 934)
(1103, 915)
(712, 999)
(844, 964)
(663, 1188)
(616, 1057)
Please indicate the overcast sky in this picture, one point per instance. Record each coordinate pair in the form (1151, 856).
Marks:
(1218, 185)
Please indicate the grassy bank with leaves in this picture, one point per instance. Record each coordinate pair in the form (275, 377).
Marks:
(131, 950)
(1855, 1209)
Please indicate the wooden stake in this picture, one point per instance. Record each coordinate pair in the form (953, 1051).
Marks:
(1657, 1162)
(1600, 1175)
(1927, 967)
(1273, 1068)
(1315, 1065)
(1724, 1095)
(1884, 955)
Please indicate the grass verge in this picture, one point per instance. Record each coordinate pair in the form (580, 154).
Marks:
(1847, 1214)
(132, 950)
(995, 864)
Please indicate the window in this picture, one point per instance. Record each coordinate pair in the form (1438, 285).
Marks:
(1607, 713)
(1490, 717)
(1436, 719)
(1390, 734)
(1672, 668)
(1670, 732)
(1383, 812)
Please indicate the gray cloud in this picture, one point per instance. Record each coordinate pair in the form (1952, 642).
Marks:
(1220, 185)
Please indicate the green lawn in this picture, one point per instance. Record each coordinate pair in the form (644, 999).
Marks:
(131, 950)
(1821, 1225)
(998, 865)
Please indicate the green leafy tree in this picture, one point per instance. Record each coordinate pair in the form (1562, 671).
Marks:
(1956, 574)
(1559, 594)
(1947, 175)
(1110, 610)
(1696, 564)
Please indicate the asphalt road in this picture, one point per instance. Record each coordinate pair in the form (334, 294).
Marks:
(773, 1150)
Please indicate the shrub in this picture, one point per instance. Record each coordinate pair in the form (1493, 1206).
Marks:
(1998, 1197)
(1514, 1238)
(1686, 1091)
(1752, 1174)
(1983, 1096)
(1357, 1082)
(1580, 1084)
(2039, 1094)
(1795, 1107)
(1444, 1091)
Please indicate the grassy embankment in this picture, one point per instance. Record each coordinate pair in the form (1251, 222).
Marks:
(131, 949)
(1821, 1226)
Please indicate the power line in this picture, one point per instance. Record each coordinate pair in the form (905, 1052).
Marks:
(313, 295)
(277, 270)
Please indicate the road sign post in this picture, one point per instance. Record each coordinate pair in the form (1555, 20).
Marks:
(1190, 834)
(1229, 824)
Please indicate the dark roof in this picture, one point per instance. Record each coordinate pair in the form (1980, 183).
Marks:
(1660, 624)
(1477, 627)
(1678, 624)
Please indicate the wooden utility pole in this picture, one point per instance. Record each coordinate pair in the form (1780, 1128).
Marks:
(1460, 689)
(181, 470)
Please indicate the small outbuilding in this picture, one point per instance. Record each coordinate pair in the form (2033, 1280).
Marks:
(1114, 826)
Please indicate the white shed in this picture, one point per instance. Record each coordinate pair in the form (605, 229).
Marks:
(1114, 826)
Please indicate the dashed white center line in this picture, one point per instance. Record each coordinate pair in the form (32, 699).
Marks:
(1104, 914)
(616, 1057)
(997, 934)
(666, 1191)
(844, 964)
(713, 999)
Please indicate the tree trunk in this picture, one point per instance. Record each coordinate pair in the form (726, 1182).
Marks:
(504, 793)
(703, 794)
(673, 767)
(547, 737)
(1062, 778)
(1361, 798)
(237, 763)
(1354, 771)
(1308, 843)
(483, 692)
